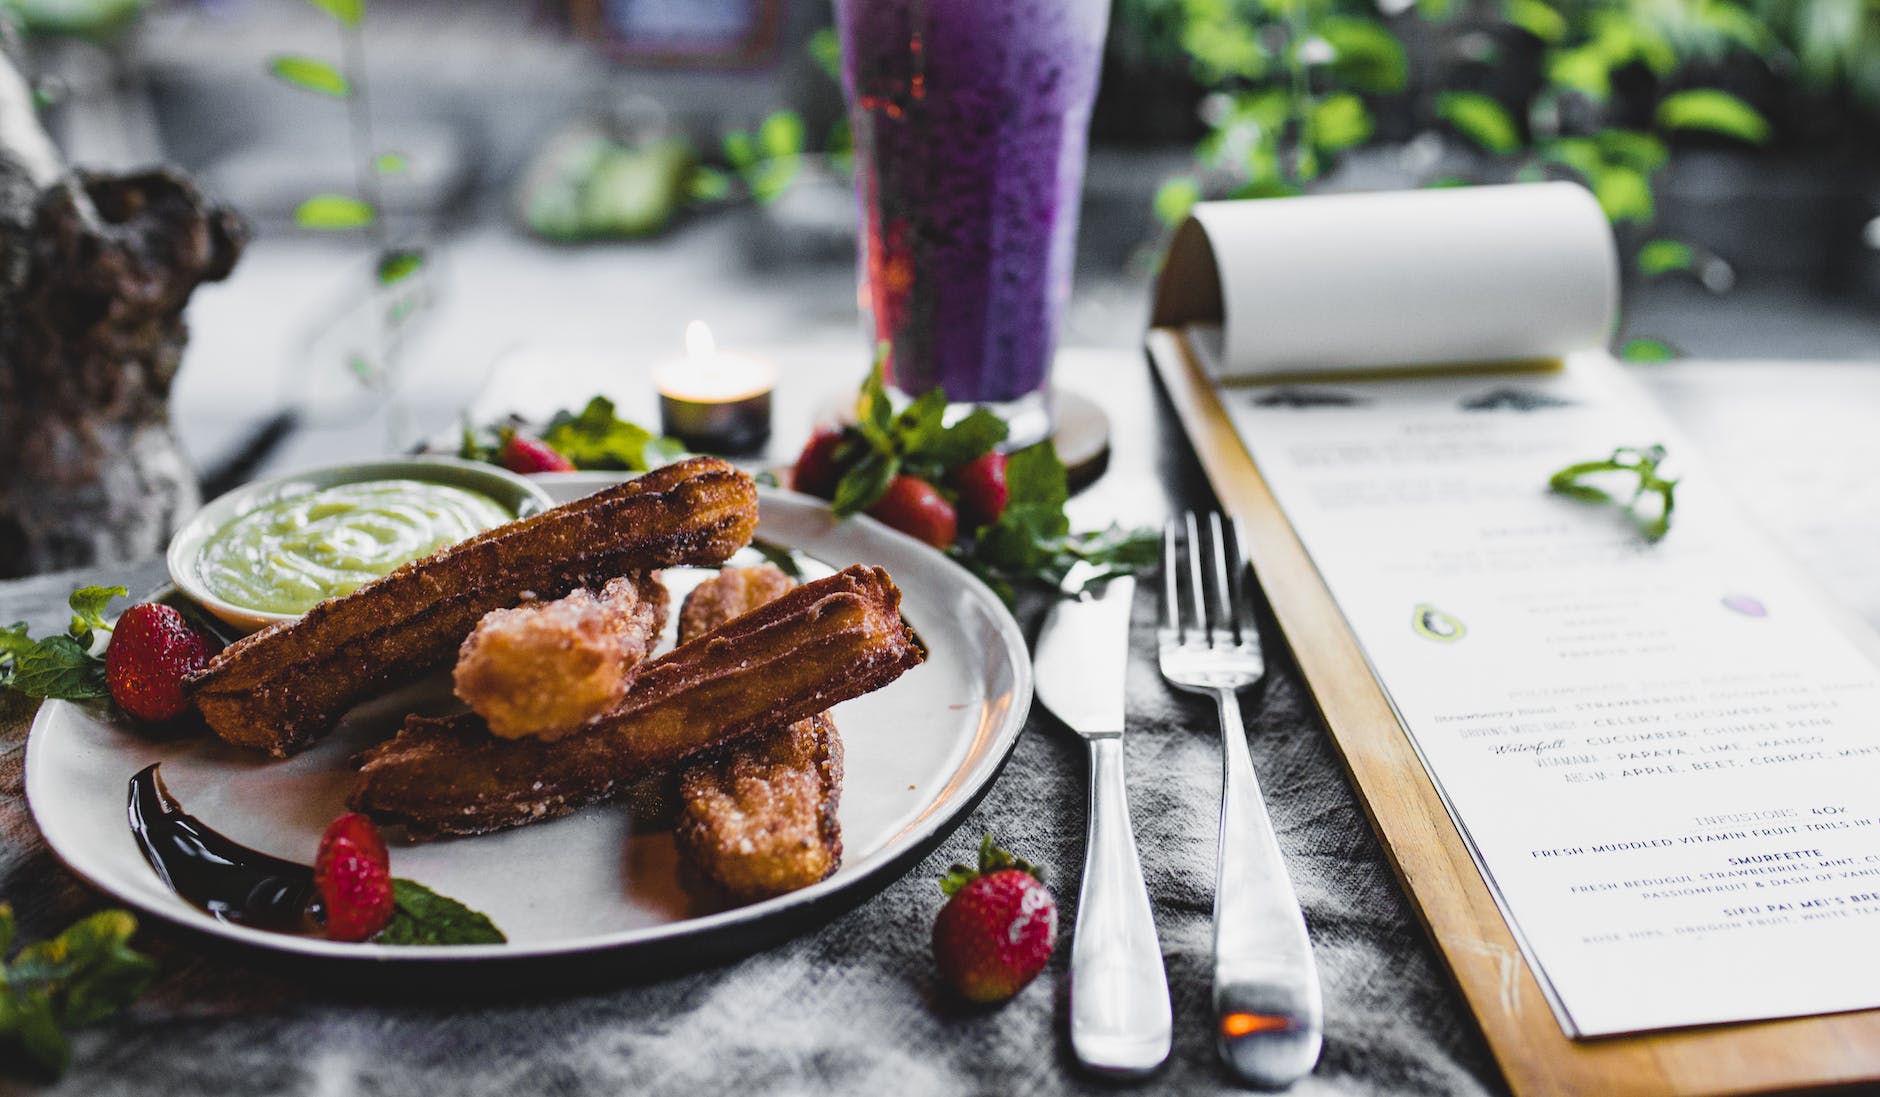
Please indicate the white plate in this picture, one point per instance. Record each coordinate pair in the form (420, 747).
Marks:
(919, 754)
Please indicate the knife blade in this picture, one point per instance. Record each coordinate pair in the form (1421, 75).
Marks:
(1083, 656)
(1121, 1020)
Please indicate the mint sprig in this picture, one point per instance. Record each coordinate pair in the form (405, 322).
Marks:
(918, 441)
(69, 666)
(593, 438)
(596, 438)
(83, 975)
(1032, 541)
(1639, 462)
(421, 916)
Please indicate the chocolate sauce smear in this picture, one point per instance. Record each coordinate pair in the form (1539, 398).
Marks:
(228, 880)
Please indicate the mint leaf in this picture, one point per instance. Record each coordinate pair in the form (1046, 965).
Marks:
(59, 667)
(1035, 475)
(971, 438)
(423, 917)
(865, 483)
(1117, 550)
(596, 438)
(27, 1021)
(83, 975)
(13, 644)
(921, 425)
(1025, 541)
(88, 604)
(874, 412)
(89, 971)
(1654, 521)
(664, 451)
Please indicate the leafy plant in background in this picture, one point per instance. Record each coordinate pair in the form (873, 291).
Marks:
(592, 185)
(97, 20)
(1289, 83)
(1834, 45)
(393, 266)
(1595, 90)
(761, 163)
(589, 185)
(1577, 124)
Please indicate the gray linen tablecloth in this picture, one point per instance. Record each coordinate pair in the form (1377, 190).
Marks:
(855, 1007)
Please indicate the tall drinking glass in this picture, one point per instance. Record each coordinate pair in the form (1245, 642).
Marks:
(971, 119)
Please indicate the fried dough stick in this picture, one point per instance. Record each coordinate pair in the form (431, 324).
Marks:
(547, 668)
(818, 645)
(285, 686)
(758, 818)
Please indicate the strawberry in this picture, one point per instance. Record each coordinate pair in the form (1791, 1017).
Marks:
(998, 928)
(917, 508)
(354, 875)
(983, 493)
(526, 455)
(152, 649)
(815, 472)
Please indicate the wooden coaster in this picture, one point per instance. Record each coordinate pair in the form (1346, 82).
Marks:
(1082, 435)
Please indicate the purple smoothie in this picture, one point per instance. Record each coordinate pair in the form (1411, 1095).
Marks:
(970, 120)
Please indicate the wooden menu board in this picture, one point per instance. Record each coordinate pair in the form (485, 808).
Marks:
(1426, 851)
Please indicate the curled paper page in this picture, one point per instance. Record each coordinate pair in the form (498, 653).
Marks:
(1504, 275)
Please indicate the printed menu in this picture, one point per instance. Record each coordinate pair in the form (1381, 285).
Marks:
(1664, 756)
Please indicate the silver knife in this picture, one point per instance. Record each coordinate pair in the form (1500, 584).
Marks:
(1120, 1017)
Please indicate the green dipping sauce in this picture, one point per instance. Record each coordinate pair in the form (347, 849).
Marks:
(289, 555)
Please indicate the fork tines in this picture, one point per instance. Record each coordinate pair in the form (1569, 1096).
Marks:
(1206, 598)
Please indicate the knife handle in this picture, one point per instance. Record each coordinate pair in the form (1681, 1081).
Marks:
(1120, 1016)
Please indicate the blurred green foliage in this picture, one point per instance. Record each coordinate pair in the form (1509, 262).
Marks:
(98, 20)
(1597, 90)
(587, 186)
(393, 265)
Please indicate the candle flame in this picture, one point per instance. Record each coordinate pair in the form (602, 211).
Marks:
(699, 344)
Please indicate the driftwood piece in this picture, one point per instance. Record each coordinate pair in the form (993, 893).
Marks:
(94, 273)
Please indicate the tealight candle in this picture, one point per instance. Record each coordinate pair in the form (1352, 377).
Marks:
(712, 401)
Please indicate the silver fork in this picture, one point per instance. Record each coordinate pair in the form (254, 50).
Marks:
(1268, 1017)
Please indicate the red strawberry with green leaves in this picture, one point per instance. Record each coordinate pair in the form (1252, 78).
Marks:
(526, 455)
(152, 649)
(354, 875)
(998, 928)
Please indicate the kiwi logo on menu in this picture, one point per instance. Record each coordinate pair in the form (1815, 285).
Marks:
(1433, 624)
